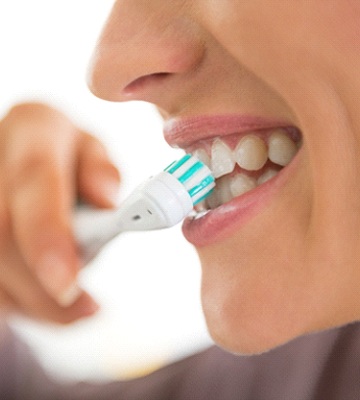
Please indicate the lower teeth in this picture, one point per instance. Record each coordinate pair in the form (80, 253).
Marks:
(228, 188)
(198, 215)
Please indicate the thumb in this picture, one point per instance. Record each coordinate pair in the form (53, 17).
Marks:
(98, 178)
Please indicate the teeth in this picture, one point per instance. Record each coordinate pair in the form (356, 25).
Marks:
(222, 162)
(223, 187)
(251, 153)
(229, 187)
(222, 193)
(270, 173)
(241, 184)
(281, 148)
(201, 207)
(213, 201)
(202, 155)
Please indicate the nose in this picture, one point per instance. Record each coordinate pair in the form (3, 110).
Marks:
(147, 49)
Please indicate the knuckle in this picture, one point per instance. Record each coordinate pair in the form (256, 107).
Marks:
(91, 146)
(32, 110)
(112, 172)
(107, 168)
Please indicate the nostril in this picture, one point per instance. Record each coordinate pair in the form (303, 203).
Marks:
(143, 82)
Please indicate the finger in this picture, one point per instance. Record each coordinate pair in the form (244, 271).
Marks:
(44, 308)
(39, 305)
(7, 304)
(39, 184)
(21, 292)
(98, 178)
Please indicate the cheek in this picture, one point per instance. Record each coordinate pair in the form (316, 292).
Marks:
(255, 283)
(274, 280)
(261, 291)
(274, 40)
(256, 34)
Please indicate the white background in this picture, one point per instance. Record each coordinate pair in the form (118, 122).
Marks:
(146, 283)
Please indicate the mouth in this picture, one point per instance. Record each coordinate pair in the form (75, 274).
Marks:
(247, 156)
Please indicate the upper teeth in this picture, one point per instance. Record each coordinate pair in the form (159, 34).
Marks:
(222, 160)
(251, 153)
(281, 148)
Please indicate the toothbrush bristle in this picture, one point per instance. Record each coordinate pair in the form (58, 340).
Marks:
(194, 175)
(175, 165)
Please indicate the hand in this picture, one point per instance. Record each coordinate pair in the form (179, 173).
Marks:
(46, 163)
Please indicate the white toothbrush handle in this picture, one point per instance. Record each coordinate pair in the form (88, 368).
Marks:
(160, 202)
(93, 229)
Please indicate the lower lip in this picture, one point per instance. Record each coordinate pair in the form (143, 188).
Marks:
(222, 222)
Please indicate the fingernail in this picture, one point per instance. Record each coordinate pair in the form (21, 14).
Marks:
(54, 275)
(109, 189)
(69, 295)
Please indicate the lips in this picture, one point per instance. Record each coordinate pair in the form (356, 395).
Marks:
(183, 132)
(237, 147)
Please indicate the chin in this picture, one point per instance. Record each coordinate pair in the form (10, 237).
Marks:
(251, 316)
(245, 343)
(246, 335)
(245, 325)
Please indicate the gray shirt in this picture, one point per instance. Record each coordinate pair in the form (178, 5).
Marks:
(322, 366)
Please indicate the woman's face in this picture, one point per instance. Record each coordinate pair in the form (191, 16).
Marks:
(249, 80)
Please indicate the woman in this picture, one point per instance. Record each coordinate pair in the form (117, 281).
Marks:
(282, 260)
(272, 86)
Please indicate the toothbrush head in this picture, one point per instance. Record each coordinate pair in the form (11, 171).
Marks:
(194, 175)
(167, 198)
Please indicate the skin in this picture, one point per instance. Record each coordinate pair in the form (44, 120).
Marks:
(293, 268)
(45, 164)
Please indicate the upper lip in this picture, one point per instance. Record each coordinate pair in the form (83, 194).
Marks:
(183, 132)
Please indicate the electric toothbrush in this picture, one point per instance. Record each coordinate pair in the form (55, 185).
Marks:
(160, 202)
